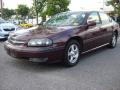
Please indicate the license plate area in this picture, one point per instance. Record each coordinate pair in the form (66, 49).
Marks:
(11, 53)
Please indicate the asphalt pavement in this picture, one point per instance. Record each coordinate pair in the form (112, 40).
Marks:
(97, 70)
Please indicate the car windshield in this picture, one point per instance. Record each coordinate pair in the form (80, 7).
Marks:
(66, 19)
(2, 21)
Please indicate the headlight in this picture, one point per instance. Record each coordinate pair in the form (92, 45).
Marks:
(40, 42)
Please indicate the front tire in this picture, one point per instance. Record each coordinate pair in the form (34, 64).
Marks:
(72, 53)
(113, 41)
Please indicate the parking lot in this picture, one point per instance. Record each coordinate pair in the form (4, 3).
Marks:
(98, 70)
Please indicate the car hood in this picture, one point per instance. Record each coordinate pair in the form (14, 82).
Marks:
(7, 25)
(38, 32)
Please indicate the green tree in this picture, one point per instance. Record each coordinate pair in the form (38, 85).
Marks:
(49, 7)
(116, 5)
(32, 12)
(57, 6)
(39, 6)
(22, 10)
(7, 13)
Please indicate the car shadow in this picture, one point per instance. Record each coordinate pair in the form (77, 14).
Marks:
(43, 67)
(94, 52)
(34, 66)
(2, 40)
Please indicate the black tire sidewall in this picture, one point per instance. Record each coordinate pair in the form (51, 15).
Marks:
(111, 44)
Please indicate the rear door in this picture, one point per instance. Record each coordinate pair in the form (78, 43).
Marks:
(106, 28)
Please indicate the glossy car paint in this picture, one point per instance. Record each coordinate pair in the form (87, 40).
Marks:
(89, 37)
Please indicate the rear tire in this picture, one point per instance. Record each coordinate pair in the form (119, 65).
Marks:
(113, 41)
(72, 53)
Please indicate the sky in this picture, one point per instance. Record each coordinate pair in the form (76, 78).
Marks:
(75, 5)
(12, 4)
(85, 4)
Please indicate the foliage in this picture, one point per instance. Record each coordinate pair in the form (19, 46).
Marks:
(56, 6)
(116, 6)
(39, 6)
(22, 10)
(26, 25)
(7, 13)
(32, 13)
(50, 7)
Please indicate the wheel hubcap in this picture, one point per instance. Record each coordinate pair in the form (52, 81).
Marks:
(73, 53)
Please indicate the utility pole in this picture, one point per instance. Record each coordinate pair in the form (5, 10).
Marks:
(36, 10)
(103, 5)
(1, 3)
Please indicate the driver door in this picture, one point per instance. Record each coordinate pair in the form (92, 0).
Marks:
(93, 34)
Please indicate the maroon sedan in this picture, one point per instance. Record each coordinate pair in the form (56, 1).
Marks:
(64, 37)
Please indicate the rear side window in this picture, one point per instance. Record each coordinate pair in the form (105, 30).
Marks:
(105, 18)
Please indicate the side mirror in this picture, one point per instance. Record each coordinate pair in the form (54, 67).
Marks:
(91, 23)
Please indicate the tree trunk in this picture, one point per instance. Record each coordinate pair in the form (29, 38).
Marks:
(43, 19)
(37, 17)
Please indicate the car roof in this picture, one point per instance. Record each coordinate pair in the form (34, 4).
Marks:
(72, 12)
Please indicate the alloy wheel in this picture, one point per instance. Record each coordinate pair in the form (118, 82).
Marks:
(73, 53)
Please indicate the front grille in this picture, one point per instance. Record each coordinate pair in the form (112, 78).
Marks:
(6, 35)
(12, 29)
(15, 42)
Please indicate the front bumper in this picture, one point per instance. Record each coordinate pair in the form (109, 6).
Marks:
(47, 54)
(4, 36)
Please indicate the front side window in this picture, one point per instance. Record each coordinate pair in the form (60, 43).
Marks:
(94, 17)
(66, 19)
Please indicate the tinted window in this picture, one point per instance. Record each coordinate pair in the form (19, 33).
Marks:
(94, 16)
(105, 18)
